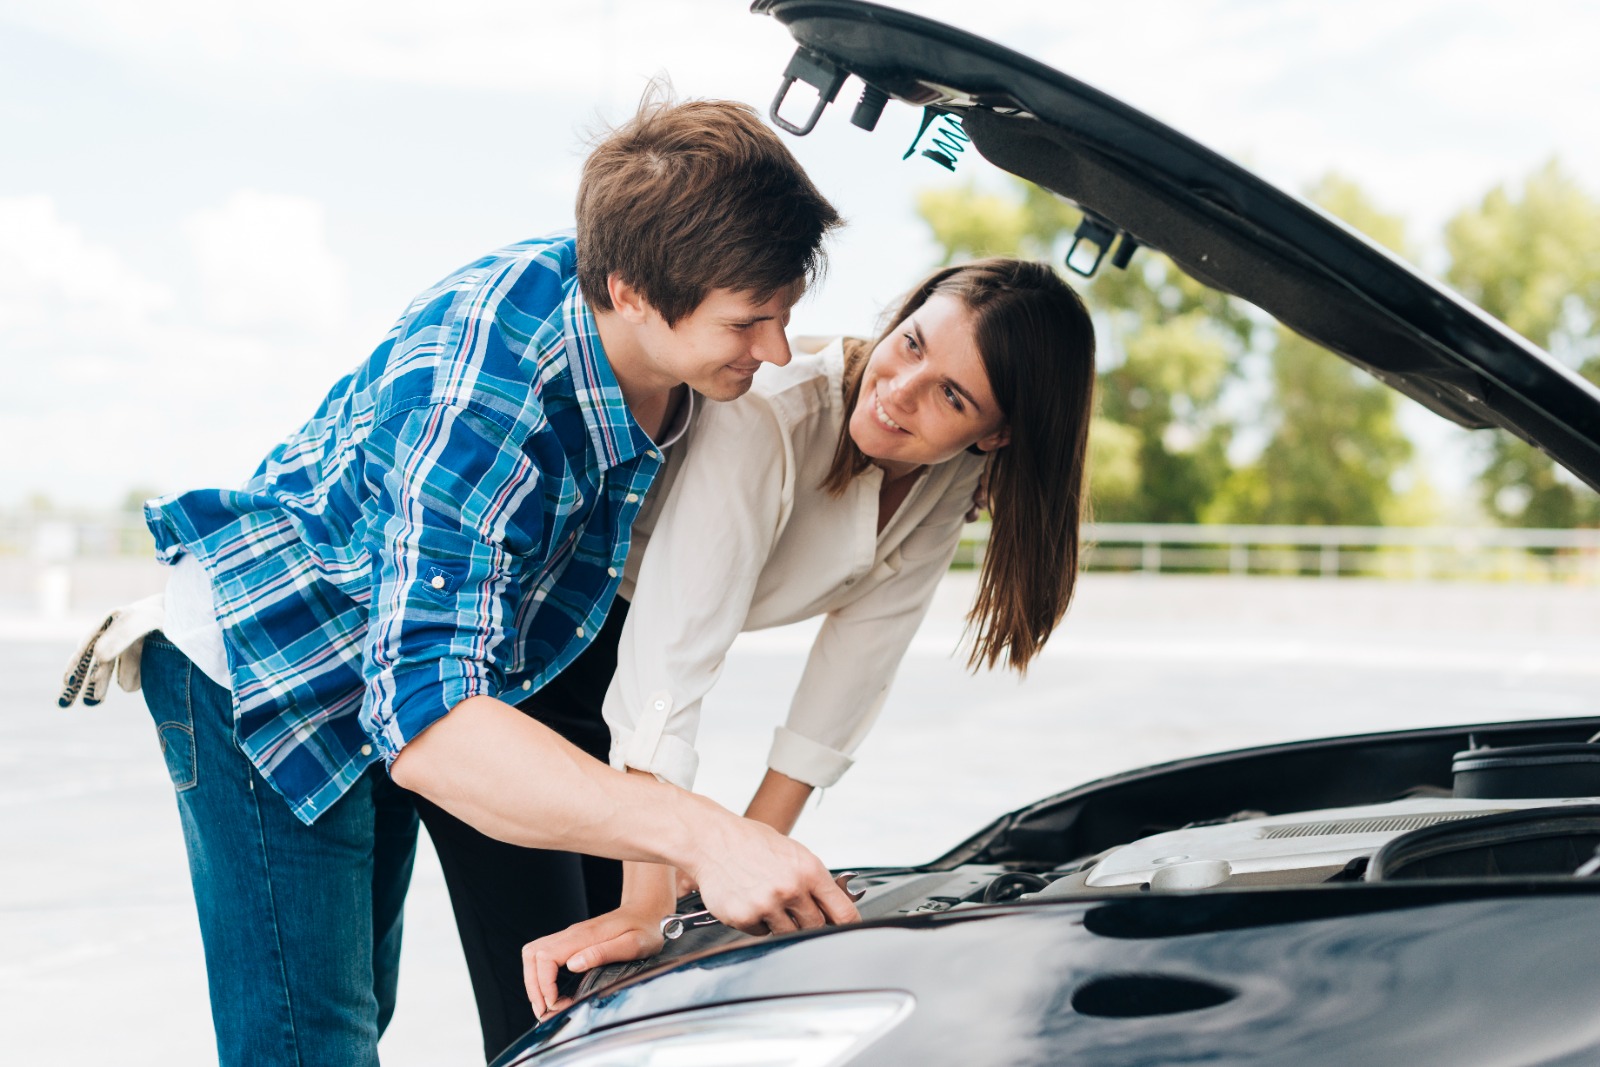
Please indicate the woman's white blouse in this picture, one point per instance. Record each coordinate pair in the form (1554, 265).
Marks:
(743, 537)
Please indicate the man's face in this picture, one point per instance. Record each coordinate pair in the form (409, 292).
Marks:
(718, 346)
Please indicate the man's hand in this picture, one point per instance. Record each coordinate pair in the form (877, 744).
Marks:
(515, 780)
(628, 933)
(757, 880)
(752, 878)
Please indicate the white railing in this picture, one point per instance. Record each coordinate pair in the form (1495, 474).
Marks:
(1427, 552)
(1407, 552)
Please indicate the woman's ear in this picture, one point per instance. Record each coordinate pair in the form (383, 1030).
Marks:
(997, 440)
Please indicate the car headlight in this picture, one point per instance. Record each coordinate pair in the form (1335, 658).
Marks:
(806, 1031)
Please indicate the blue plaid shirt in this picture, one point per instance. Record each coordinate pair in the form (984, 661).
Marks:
(450, 523)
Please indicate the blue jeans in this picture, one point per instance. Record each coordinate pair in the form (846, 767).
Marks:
(301, 924)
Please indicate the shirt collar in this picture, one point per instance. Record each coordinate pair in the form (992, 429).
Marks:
(617, 437)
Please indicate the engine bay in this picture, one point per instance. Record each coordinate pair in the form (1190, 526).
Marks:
(1515, 811)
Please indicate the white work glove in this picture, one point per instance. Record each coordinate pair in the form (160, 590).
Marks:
(117, 643)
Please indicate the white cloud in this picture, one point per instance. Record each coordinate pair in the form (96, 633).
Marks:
(265, 264)
(53, 279)
(119, 379)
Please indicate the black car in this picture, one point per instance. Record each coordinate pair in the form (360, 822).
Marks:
(1419, 897)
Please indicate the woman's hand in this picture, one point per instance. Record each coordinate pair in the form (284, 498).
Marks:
(629, 933)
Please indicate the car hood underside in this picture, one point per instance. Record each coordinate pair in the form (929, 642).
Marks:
(1153, 187)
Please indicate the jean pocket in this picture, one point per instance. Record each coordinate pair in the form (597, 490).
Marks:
(167, 682)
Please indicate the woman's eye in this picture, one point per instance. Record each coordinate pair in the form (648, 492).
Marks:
(911, 343)
(952, 397)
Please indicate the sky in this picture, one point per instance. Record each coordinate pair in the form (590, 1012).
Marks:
(210, 210)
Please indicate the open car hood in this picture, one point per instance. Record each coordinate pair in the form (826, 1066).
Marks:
(1147, 184)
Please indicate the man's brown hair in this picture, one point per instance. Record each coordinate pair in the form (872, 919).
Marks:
(688, 197)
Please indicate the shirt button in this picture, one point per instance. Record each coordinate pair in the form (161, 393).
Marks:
(661, 705)
(438, 581)
(632, 498)
(653, 454)
(611, 571)
(366, 750)
(527, 685)
(580, 631)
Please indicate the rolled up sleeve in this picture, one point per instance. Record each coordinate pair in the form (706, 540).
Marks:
(856, 654)
(456, 503)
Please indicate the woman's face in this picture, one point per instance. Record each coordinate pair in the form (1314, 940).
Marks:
(924, 394)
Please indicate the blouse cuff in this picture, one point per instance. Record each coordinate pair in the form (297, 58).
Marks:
(806, 760)
(672, 760)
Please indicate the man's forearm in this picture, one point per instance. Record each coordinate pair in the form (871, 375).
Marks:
(516, 780)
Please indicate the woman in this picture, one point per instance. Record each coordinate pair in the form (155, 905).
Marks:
(838, 487)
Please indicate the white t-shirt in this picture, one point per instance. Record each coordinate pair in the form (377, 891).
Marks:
(191, 620)
(746, 539)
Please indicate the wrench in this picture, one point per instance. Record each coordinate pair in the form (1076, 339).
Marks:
(673, 926)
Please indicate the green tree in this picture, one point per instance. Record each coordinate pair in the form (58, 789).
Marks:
(1531, 258)
(1336, 449)
(1023, 220)
(1165, 392)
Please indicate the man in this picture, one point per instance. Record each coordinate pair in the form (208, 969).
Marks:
(446, 533)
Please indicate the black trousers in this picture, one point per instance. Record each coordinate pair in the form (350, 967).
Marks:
(505, 896)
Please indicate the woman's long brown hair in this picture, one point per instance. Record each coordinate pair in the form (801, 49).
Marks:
(1037, 344)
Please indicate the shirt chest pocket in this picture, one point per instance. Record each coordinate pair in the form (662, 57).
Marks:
(443, 578)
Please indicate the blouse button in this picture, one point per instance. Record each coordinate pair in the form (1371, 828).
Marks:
(366, 750)
(653, 454)
(611, 571)
(580, 631)
(527, 685)
(438, 581)
(632, 498)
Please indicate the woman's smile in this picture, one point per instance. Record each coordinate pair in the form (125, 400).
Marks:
(883, 416)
